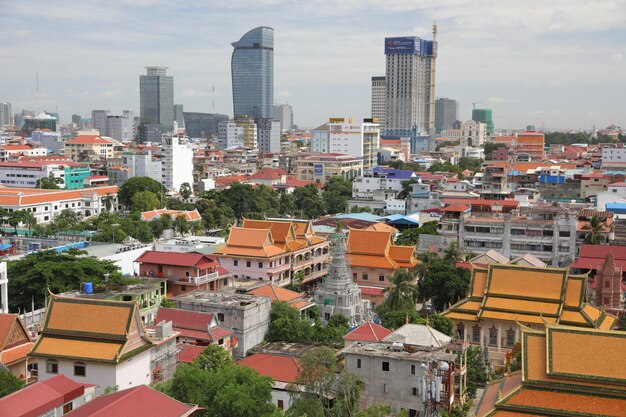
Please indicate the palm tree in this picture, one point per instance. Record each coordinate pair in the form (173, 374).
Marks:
(594, 231)
(426, 260)
(29, 220)
(403, 293)
(452, 254)
(108, 201)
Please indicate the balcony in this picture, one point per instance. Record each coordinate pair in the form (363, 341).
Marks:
(200, 279)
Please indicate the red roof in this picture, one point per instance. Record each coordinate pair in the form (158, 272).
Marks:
(195, 320)
(368, 332)
(490, 203)
(189, 259)
(371, 291)
(618, 184)
(278, 367)
(268, 174)
(41, 397)
(188, 353)
(455, 208)
(593, 255)
(139, 401)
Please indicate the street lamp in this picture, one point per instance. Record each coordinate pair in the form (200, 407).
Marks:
(114, 225)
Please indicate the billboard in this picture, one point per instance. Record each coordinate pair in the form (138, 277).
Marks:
(402, 45)
(318, 170)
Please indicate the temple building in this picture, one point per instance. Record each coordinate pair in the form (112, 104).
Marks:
(275, 251)
(560, 377)
(338, 294)
(502, 296)
(607, 289)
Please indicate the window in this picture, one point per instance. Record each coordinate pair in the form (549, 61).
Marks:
(220, 317)
(236, 262)
(280, 404)
(476, 334)
(52, 366)
(220, 342)
(67, 408)
(386, 366)
(607, 284)
(187, 273)
(381, 278)
(260, 264)
(354, 276)
(365, 276)
(460, 331)
(510, 337)
(183, 288)
(493, 336)
(248, 263)
(80, 369)
(358, 363)
(414, 391)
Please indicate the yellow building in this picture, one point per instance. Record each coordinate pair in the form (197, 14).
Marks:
(502, 296)
(324, 166)
(86, 148)
(569, 371)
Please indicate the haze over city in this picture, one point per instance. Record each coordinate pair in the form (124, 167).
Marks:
(557, 64)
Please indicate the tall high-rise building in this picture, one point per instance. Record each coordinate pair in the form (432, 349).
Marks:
(252, 70)
(179, 116)
(177, 166)
(284, 114)
(359, 140)
(269, 136)
(238, 132)
(6, 116)
(156, 103)
(446, 113)
(410, 89)
(99, 120)
(77, 120)
(121, 127)
(484, 116)
(202, 125)
(379, 97)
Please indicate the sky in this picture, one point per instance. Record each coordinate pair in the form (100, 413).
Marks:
(558, 64)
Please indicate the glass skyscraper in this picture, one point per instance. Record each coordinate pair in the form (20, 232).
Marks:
(156, 98)
(252, 69)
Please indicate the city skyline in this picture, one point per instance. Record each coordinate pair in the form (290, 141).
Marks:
(558, 65)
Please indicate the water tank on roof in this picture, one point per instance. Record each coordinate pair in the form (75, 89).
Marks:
(88, 287)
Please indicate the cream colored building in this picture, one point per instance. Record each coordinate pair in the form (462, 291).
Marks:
(84, 148)
(324, 166)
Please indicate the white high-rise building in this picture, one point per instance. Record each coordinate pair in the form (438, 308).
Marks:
(379, 97)
(410, 89)
(320, 139)
(284, 114)
(6, 117)
(269, 136)
(359, 140)
(99, 121)
(143, 164)
(4, 289)
(177, 165)
(122, 127)
(229, 135)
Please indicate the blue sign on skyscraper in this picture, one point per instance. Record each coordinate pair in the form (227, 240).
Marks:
(402, 45)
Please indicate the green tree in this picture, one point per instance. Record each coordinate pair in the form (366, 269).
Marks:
(321, 379)
(476, 375)
(144, 201)
(441, 323)
(444, 283)
(227, 391)
(452, 254)
(9, 383)
(308, 203)
(136, 185)
(402, 294)
(594, 231)
(181, 225)
(240, 198)
(50, 182)
(360, 209)
(15, 218)
(472, 164)
(29, 219)
(286, 325)
(336, 193)
(212, 358)
(410, 237)
(185, 191)
(395, 319)
(406, 188)
(167, 303)
(266, 202)
(286, 204)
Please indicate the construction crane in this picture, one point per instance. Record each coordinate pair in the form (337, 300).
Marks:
(474, 103)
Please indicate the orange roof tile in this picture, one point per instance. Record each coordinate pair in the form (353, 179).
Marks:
(276, 293)
(278, 367)
(368, 332)
(526, 282)
(67, 315)
(75, 348)
(189, 215)
(282, 232)
(88, 140)
(569, 403)
(370, 261)
(368, 242)
(534, 307)
(250, 242)
(522, 318)
(302, 304)
(16, 354)
(574, 291)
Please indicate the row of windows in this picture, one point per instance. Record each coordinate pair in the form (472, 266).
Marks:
(365, 277)
(52, 367)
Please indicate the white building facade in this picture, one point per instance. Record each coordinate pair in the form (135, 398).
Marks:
(177, 165)
(379, 96)
(359, 140)
(269, 136)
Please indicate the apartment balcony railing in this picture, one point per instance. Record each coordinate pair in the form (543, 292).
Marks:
(200, 279)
